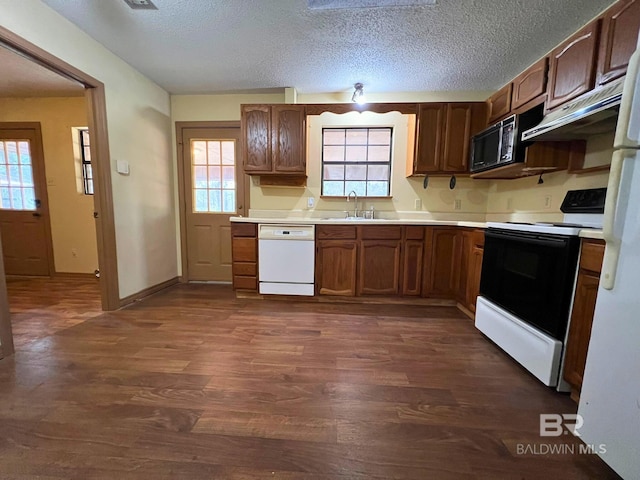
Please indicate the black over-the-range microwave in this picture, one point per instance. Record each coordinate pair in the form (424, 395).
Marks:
(500, 144)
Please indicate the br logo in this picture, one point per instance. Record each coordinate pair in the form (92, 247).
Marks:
(555, 424)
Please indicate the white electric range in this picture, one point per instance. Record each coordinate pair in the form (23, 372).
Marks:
(527, 284)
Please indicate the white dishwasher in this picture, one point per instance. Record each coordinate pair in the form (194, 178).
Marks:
(286, 259)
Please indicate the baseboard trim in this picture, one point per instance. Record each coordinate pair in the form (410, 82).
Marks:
(85, 276)
(466, 311)
(147, 292)
(374, 300)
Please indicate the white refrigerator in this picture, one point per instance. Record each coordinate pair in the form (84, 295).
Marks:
(610, 397)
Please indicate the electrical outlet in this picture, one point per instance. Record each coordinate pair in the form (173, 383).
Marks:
(310, 202)
(74, 253)
(547, 201)
(417, 204)
(457, 204)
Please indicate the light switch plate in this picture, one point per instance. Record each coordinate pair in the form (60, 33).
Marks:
(122, 167)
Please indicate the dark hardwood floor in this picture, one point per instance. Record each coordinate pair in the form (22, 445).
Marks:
(193, 383)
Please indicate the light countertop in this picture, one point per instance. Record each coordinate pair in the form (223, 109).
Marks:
(584, 233)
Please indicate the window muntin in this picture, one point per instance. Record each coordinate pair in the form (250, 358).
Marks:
(356, 159)
(17, 189)
(87, 169)
(213, 173)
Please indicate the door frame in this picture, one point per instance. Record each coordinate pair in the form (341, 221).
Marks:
(182, 205)
(40, 181)
(103, 197)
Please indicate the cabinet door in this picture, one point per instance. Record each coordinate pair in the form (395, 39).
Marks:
(573, 66)
(580, 328)
(620, 26)
(461, 122)
(440, 268)
(428, 138)
(336, 267)
(412, 267)
(256, 135)
(465, 246)
(379, 272)
(289, 138)
(530, 84)
(499, 104)
(473, 279)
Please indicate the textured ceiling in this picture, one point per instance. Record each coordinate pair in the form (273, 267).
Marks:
(23, 78)
(195, 46)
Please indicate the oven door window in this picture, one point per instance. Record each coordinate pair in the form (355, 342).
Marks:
(531, 276)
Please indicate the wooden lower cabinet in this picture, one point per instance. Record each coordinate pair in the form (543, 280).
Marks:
(440, 269)
(473, 278)
(336, 262)
(379, 272)
(584, 304)
(412, 262)
(244, 256)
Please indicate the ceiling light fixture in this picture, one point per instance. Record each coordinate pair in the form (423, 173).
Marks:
(358, 94)
(141, 4)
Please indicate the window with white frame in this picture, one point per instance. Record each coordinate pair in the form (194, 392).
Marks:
(356, 159)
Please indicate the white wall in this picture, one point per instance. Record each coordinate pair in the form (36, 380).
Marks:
(138, 120)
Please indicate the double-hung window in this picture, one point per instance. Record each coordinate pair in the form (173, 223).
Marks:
(85, 155)
(356, 159)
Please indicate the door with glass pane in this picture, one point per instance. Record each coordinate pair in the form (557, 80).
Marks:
(214, 192)
(24, 216)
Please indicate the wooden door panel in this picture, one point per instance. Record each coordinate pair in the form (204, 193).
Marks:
(412, 267)
(24, 244)
(580, 327)
(457, 135)
(440, 268)
(336, 263)
(428, 138)
(289, 138)
(620, 27)
(473, 280)
(379, 267)
(573, 66)
(207, 225)
(256, 137)
(26, 232)
(499, 104)
(530, 84)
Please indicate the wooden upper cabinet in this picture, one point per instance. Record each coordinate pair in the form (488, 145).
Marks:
(499, 104)
(289, 139)
(461, 121)
(572, 66)
(428, 138)
(274, 139)
(443, 135)
(256, 136)
(620, 25)
(530, 84)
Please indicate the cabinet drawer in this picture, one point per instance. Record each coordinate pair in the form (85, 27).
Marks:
(244, 230)
(414, 232)
(244, 249)
(591, 256)
(381, 232)
(246, 269)
(245, 283)
(328, 232)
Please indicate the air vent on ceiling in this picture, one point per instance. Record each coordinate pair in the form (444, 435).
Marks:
(141, 4)
(336, 4)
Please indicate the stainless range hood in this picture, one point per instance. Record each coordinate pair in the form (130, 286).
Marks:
(591, 114)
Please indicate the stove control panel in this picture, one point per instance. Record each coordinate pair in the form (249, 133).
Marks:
(584, 201)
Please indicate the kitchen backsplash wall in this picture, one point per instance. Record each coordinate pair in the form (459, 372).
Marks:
(436, 199)
(524, 199)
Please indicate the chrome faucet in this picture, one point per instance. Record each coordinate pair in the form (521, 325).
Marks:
(355, 207)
